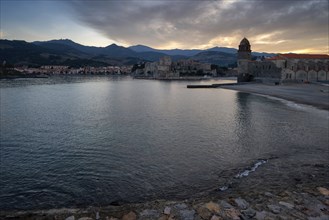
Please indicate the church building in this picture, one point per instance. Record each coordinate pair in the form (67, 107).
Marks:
(282, 67)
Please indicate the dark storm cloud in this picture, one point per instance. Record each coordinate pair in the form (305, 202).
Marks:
(195, 23)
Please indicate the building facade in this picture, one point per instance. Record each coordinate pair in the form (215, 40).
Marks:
(166, 68)
(303, 67)
(283, 67)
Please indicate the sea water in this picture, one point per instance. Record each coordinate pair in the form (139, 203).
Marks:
(70, 142)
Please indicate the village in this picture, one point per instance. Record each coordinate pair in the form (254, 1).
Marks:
(67, 70)
(165, 68)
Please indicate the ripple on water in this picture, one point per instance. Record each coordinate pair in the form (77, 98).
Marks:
(94, 142)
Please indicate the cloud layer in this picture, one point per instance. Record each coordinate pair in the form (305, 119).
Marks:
(272, 25)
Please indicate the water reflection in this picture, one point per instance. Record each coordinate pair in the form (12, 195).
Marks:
(243, 115)
(251, 126)
(101, 141)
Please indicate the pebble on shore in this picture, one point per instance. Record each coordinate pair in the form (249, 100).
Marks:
(309, 204)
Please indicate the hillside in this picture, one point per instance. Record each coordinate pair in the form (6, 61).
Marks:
(59, 52)
(215, 57)
(173, 52)
(23, 53)
(67, 52)
(192, 52)
(72, 44)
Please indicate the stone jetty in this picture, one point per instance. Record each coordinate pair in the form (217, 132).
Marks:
(193, 86)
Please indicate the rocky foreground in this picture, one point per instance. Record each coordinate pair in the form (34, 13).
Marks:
(311, 204)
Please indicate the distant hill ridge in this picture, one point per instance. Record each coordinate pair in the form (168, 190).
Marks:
(66, 51)
(192, 52)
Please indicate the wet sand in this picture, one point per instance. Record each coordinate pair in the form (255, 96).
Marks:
(316, 95)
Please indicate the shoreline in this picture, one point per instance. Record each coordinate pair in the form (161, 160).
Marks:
(311, 203)
(286, 186)
(308, 94)
(271, 192)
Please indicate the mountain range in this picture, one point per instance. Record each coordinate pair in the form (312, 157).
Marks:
(67, 52)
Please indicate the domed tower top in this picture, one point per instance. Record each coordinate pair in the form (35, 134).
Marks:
(244, 45)
(244, 41)
(244, 51)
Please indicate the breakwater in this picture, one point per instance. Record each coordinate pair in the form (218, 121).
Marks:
(210, 86)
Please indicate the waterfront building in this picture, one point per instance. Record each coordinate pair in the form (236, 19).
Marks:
(67, 70)
(150, 70)
(282, 67)
(192, 67)
(166, 68)
(55, 69)
(307, 67)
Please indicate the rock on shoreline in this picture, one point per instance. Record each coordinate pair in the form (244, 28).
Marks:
(308, 203)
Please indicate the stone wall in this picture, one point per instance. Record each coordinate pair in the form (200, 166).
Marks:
(264, 69)
(285, 67)
(311, 70)
(165, 68)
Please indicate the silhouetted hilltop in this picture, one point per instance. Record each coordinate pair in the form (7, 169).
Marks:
(68, 52)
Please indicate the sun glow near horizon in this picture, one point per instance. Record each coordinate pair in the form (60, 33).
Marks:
(271, 26)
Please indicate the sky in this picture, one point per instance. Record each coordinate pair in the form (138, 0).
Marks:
(278, 26)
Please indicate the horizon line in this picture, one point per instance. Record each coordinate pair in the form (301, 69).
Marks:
(128, 47)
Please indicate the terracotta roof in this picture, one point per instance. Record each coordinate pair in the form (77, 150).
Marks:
(275, 58)
(304, 56)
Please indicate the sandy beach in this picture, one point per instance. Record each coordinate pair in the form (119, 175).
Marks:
(316, 95)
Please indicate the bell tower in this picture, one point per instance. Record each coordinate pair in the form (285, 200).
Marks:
(244, 57)
(244, 52)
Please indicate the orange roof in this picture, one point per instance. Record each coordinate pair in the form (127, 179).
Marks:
(304, 56)
(275, 58)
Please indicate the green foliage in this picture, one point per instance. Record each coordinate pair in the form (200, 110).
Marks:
(76, 63)
(233, 65)
(215, 57)
(213, 67)
(138, 66)
(7, 71)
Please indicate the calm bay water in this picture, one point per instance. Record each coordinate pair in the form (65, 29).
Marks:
(85, 141)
